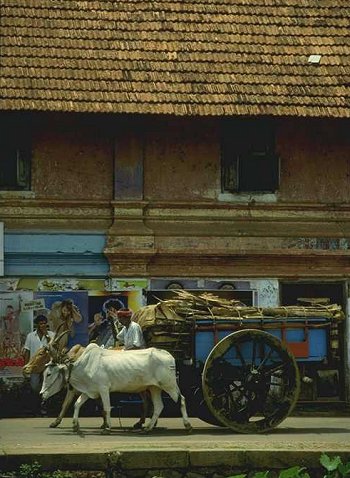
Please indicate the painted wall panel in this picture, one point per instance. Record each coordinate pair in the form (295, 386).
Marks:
(128, 165)
(46, 242)
(55, 254)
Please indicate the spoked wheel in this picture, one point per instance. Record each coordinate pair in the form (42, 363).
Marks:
(250, 381)
(202, 410)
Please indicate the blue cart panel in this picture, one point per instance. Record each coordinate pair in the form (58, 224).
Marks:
(307, 338)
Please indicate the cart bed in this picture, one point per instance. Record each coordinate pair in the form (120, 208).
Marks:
(306, 338)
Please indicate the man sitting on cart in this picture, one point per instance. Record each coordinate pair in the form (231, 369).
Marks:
(131, 335)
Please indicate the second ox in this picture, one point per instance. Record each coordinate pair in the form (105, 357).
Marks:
(52, 351)
(37, 365)
(97, 372)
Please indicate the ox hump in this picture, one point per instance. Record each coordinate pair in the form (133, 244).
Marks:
(92, 346)
(161, 356)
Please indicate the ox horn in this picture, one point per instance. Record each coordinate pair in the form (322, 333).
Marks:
(53, 346)
(56, 338)
(56, 332)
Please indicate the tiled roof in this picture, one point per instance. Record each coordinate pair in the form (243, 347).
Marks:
(200, 57)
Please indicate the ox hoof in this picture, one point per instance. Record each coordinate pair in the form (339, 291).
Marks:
(55, 423)
(189, 428)
(147, 429)
(138, 426)
(106, 431)
(76, 429)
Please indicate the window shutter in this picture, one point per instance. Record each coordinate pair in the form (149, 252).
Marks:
(249, 161)
(229, 164)
(23, 168)
(258, 172)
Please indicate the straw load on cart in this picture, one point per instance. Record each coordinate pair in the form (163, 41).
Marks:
(170, 324)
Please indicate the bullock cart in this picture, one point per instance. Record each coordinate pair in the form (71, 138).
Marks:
(238, 366)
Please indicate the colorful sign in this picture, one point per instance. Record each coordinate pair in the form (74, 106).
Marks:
(66, 310)
(15, 324)
(98, 304)
(8, 285)
(33, 305)
(114, 284)
(19, 308)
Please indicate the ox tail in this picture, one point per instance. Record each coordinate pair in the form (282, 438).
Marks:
(177, 396)
(174, 392)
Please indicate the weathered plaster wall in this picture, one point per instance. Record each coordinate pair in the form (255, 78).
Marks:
(183, 156)
(181, 159)
(72, 159)
(171, 221)
(347, 348)
(268, 291)
(315, 160)
(184, 227)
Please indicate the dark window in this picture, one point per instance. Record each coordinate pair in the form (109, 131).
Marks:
(14, 155)
(249, 160)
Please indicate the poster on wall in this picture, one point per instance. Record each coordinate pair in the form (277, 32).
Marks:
(1, 249)
(8, 284)
(99, 301)
(16, 321)
(114, 284)
(66, 310)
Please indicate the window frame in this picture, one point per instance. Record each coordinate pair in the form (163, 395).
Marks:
(254, 139)
(15, 146)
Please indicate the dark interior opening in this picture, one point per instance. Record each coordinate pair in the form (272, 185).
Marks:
(329, 378)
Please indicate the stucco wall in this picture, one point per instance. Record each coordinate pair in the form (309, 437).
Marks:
(72, 159)
(183, 156)
(347, 349)
(181, 159)
(315, 162)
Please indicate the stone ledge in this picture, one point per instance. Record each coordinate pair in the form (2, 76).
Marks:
(170, 459)
(156, 458)
(264, 459)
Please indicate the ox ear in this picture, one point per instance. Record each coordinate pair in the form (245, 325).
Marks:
(63, 368)
(47, 365)
(60, 366)
(53, 363)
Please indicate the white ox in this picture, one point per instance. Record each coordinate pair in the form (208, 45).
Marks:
(97, 372)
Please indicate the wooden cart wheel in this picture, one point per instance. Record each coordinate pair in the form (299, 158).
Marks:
(250, 381)
(202, 410)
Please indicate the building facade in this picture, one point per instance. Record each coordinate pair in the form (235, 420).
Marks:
(205, 146)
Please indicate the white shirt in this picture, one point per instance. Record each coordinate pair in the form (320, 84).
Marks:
(34, 343)
(132, 337)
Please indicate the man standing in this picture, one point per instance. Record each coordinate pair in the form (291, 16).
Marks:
(131, 335)
(34, 341)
